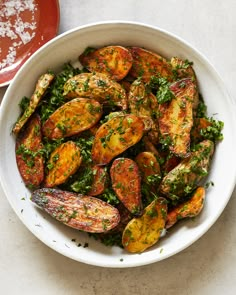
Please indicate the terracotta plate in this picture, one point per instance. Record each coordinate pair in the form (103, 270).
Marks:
(24, 27)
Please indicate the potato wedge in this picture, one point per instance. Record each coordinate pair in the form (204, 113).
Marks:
(144, 105)
(114, 61)
(147, 64)
(63, 162)
(72, 118)
(170, 163)
(150, 169)
(190, 208)
(96, 86)
(150, 147)
(176, 117)
(115, 136)
(185, 177)
(140, 101)
(29, 160)
(143, 232)
(126, 182)
(77, 211)
(100, 178)
(184, 69)
(41, 86)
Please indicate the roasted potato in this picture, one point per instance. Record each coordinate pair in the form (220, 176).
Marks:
(143, 232)
(147, 64)
(184, 69)
(185, 177)
(150, 169)
(41, 86)
(170, 163)
(80, 212)
(72, 118)
(190, 208)
(144, 104)
(115, 136)
(100, 179)
(28, 148)
(63, 162)
(176, 117)
(96, 86)
(114, 61)
(126, 182)
(150, 147)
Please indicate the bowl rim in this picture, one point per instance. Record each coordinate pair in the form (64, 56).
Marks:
(216, 75)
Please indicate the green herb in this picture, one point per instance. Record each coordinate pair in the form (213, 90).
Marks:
(201, 108)
(24, 103)
(214, 131)
(88, 50)
(162, 85)
(53, 97)
(84, 181)
(109, 196)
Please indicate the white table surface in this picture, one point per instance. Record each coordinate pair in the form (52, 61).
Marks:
(208, 266)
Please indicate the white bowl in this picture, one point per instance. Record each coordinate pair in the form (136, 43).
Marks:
(67, 47)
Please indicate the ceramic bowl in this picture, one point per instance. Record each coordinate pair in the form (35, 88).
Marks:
(67, 47)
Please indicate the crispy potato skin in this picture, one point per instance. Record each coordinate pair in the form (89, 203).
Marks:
(147, 64)
(190, 208)
(72, 118)
(171, 162)
(100, 178)
(31, 167)
(63, 162)
(126, 182)
(84, 213)
(149, 166)
(41, 86)
(143, 232)
(114, 61)
(184, 70)
(97, 86)
(185, 177)
(176, 117)
(115, 136)
(144, 105)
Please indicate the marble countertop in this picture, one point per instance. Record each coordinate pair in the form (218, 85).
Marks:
(208, 266)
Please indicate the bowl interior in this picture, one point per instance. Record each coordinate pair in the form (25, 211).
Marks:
(67, 47)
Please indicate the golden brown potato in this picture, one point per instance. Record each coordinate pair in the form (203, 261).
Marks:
(115, 136)
(80, 212)
(176, 117)
(126, 182)
(63, 162)
(29, 160)
(150, 169)
(72, 118)
(184, 69)
(147, 64)
(190, 208)
(185, 177)
(41, 86)
(143, 232)
(114, 61)
(144, 104)
(100, 178)
(97, 86)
